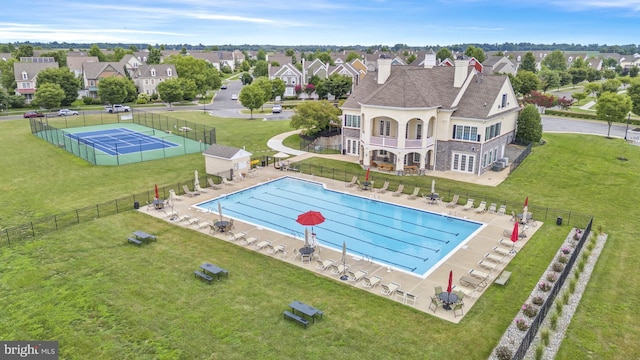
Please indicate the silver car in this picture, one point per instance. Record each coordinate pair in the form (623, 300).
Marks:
(67, 112)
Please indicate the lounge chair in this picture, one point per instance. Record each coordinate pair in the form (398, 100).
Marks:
(502, 251)
(188, 192)
(414, 194)
(226, 182)
(492, 208)
(389, 289)
(205, 224)
(482, 207)
(352, 183)
(488, 265)
(263, 244)
(401, 295)
(409, 297)
(495, 258)
(173, 196)
(194, 221)
(280, 248)
(198, 189)
(384, 188)
(357, 276)
(468, 205)
(478, 274)
(184, 217)
(324, 264)
(371, 282)
(251, 240)
(237, 236)
(502, 210)
(399, 191)
(454, 201)
(213, 185)
(338, 269)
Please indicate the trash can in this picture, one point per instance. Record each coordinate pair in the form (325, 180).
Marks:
(559, 221)
(136, 205)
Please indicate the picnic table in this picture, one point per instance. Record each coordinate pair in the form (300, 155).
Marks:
(213, 269)
(305, 309)
(141, 235)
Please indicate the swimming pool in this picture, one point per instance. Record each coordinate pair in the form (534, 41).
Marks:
(404, 238)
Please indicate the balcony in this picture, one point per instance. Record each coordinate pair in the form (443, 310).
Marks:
(393, 142)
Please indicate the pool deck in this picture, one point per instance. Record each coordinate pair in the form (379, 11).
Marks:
(460, 261)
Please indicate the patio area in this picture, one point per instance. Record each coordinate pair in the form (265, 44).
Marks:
(460, 262)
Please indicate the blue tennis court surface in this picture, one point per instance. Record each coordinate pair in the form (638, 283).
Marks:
(119, 141)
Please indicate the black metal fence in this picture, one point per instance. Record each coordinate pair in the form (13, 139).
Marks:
(553, 293)
(517, 161)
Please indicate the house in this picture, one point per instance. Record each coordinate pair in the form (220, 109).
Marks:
(93, 72)
(494, 64)
(26, 73)
(147, 77)
(432, 118)
(220, 159)
(289, 74)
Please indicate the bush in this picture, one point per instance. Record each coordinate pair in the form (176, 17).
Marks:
(563, 259)
(554, 321)
(565, 297)
(522, 324)
(87, 100)
(581, 265)
(552, 277)
(566, 250)
(538, 300)
(559, 306)
(529, 310)
(544, 286)
(572, 285)
(558, 266)
(539, 352)
(544, 334)
(504, 353)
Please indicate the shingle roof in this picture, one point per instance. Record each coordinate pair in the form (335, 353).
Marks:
(225, 152)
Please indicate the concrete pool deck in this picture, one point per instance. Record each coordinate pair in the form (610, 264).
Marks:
(460, 261)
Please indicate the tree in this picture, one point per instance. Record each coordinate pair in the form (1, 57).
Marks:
(540, 99)
(23, 51)
(613, 107)
(245, 66)
(261, 55)
(64, 78)
(59, 56)
(309, 89)
(325, 58)
(633, 72)
(4, 100)
(49, 96)
(555, 61)
(593, 75)
(578, 75)
(278, 88)
(352, 56)
(265, 85)
(475, 52)
(633, 91)
(261, 69)
(246, 78)
(170, 91)
(443, 54)
(7, 77)
(579, 96)
(529, 124)
(565, 78)
(155, 55)
(202, 72)
(611, 85)
(322, 89)
(189, 89)
(95, 51)
(549, 79)
(113, 90)
(593, 89)
(339, 85)
(289, 52)
(609, 74)
(528, 82)
(314, 116)
(411, 58)
(579, 63)
(529, 63)
(252, 97)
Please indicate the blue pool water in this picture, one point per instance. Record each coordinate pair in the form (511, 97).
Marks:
(404, 238)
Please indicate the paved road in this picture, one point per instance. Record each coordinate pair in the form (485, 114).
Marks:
(567, 125)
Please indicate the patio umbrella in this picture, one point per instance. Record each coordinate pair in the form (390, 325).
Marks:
(306, 238)
(157, 195)
(525, 210)
(514, 233)
(366, 177)
(280, 156)
(220, 210)
(450, 281)
(344, 259)
(310, 218)
(433, 186)
(196, 182)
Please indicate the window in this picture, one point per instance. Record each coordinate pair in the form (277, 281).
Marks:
(504, 100)
(463, 162)
(169, 72)
(25, 76)
(419, 131)
(385, 127)
(469, 133)
(492, 131)
(416, 157)
(352, 121)
(153, 72)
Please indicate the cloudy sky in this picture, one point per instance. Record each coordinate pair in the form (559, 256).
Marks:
(321, 22)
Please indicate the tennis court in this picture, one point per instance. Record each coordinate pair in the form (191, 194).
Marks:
(120, 140)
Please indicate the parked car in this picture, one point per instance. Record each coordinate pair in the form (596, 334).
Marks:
(67, 112)
(32, 114)
(117, 108)
(234, 97)
(276, 109)
(223, 87)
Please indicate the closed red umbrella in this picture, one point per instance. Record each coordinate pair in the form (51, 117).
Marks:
(366, 177)
(514, 233)
(450, 281)
(310, 218)
(157, 196)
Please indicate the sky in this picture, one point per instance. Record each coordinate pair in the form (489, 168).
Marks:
(321, 22)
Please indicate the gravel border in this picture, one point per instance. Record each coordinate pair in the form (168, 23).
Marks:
(513, 337)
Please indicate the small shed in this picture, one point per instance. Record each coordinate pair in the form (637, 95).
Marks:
(220, 159)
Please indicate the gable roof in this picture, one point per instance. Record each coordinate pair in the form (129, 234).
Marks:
(225, 152)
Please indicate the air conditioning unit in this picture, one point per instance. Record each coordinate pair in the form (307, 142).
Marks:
(505, 161)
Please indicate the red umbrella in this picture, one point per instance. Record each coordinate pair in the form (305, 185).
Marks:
(450, 281)
(157, 196)
(366, 177)
(526, 201)
(310, 218)
(514, 233)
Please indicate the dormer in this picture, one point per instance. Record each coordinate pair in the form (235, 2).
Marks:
(153, 72)
(169, 72)
(25, 76)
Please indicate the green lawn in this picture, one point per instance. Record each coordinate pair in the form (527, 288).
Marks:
(105, 299)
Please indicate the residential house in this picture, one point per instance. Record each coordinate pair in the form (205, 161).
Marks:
(92, 73)
(346, 69)
(494, 64)
(147, 77)
(289, 74)
(74, 63)
(434, 118)
(26, 73)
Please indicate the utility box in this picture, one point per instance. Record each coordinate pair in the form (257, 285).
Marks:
(559, 221)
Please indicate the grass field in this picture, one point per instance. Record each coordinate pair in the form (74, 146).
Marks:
(105, 299)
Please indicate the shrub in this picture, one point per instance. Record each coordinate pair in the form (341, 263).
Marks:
(557, 266)
(559, 306)
(504, 353)
(544, 334)
(566, 250)
(539, 352)
(563, 259)
(544, 286)
(522, 324)
(529, 310)
(554, 321)
(565, 297)
(552, 277)
(538, 300)
(572, 285)
(581, 265)
(87, 100)
(590, 246)
(585, 255)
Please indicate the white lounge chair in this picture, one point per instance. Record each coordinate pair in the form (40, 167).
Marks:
(482, 207)
(468, 205)
(263, 244)
(251, 240)
(173, 196)
(338, 269)
(226, 182)
(189, 192)
(478, 274)
(488, 265)
(389, 289)
(357, 276)
(198, 189)
(213, 185)
(237, 236)
(280, 248)
(399, 191)
(352, 183)
(495, 258)
(324, 264)
(414, 194)
(384, 188)
(492, 208)
(502, 251)
(370, 282)
(454, 201)
(502, 210)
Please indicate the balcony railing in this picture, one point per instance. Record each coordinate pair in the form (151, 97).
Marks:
(393, 142)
